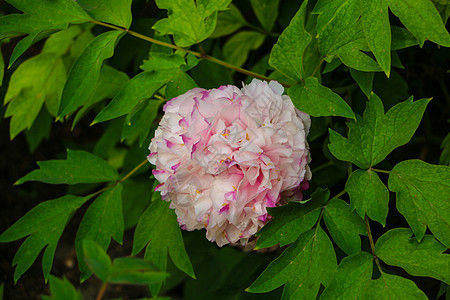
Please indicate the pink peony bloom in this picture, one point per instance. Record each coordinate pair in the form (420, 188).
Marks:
(224, 155)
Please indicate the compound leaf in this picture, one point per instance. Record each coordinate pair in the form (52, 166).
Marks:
(302, 267)
(238, 47)
(62, 289)
(287, 54)
(291, 220)
(336, 24)
(79, 167)
(159, 230)
(189, 21)
(43, 225)
(423, 192)
(344, 225)
(85, 72)
(141, 86)
(422, 19)
(391, 287)
(318, 101)
(372, 137)
(266, 11)
(350, 277)
(39, 79)
(117, 12)
(377, 29)
(102, 220)
(228, 21)
(368, 195)
(96, 259)
(398, 248)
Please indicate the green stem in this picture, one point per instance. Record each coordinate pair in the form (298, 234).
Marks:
(133, 171)
(198, 54)
(372, 245)
(339, 194)
(381, 171)
(318, 67)
(128, 175)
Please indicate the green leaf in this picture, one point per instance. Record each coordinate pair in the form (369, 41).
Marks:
(291, 220)
(372, 137)
(60, 42)
(39, 20)
(444, 159)
(443, 7)
(102, 221)
(179, 85)
(422, 19)
(108, 86)
(336, 24)
(132, 270)
(189, 21)
(117, 12)
(159, 230)
(306, 264)
(368, 195)
(266, 11)
(364, 80)
(228, 21)
(85, 72)
(2, 67)
(344, 225)
(96, 259)
(224, 273)
(79, 167)
(162, 61)
(375, 20)
(141, 121)
(43, 225)
(40, 130)
(287, 54)
(391, 287)
(141, 86)
(62, 289)
(136, 197)
(398, 248)
(67, 11)
(402, 38)
(350, 277)
(422, 197)
(238, 47)
(40, 78)
(358, 60)
(319, 101)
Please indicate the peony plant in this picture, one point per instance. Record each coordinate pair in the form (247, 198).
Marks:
(285, 131)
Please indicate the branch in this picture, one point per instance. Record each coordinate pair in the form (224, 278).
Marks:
(372, 245)
(198, 54)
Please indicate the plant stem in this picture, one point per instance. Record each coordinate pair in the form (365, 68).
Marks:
(133, 171)
(102, 291)
(381, 171)
(198, 54)
(339, 194)
(372, 245)
(128, 175)
(318, 66)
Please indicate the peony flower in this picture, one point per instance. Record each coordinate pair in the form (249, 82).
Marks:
(224, 155)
